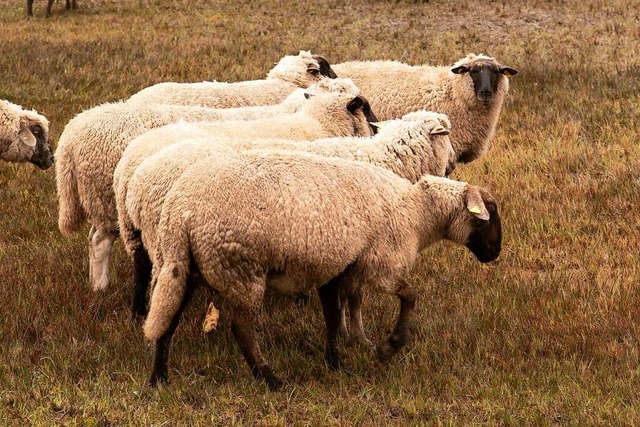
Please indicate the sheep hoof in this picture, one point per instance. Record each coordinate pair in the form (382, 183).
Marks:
(264, 373)
(274, 383)
(333, 360)
(389, 348)
(158, 378)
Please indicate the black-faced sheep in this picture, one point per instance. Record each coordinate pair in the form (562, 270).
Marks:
(266, 218)
(471, 92)
(24, 136)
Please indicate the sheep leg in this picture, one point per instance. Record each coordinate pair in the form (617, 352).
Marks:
(244, 331)
(356, 328)
(344, 329)
(160, 373)
(49, 4)
(330, 298)
(29, 7)
(99, 256)
(398, 338)
(141, 278)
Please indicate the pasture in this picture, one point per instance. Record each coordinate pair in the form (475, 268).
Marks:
(549, 334)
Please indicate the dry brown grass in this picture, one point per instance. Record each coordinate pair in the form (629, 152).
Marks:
(548, 335)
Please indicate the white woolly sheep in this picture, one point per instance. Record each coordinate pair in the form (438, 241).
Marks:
(24, 136)
(92, 144)
(470, 92)
(290, 73)
(271, 217)
(411, 147)
(292, 103)
(324, 114)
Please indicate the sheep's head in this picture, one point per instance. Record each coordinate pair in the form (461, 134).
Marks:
(303, 69)
(487, 75)
(342, 114)
(24, 136)
(483, 222)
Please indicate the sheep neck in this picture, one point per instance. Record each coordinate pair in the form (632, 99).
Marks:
(433, 206)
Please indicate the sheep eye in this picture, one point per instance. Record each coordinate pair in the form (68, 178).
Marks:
(313, 71)
(37, 130)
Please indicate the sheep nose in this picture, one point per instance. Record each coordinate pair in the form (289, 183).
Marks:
(485, 93)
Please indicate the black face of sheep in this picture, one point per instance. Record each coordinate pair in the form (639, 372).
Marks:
(43, 155)
(486, 75)
(325, 67)
(485, 240)
(368, 113)
(360, 103)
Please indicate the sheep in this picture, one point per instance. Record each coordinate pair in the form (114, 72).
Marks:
(292, 72)
(92, 144)
(69, 4)
(323, 115)
(409, 147)
(295, 221)
(292, 103)
(24, 136)
(470, 92)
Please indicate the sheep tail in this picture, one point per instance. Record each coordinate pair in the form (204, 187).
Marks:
(167, 297)
(71, 214)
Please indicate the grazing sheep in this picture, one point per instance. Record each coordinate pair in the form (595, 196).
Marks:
(324, 114)
(291, 73)
(24, 136)
(410, 147)
(296, 221)
(470, 92)
(69, 4)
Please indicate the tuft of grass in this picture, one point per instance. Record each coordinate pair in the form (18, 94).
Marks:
(547, 335)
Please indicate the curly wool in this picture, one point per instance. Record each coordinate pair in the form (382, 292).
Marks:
(140, 196)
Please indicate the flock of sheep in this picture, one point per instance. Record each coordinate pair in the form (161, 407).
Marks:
(327, 177)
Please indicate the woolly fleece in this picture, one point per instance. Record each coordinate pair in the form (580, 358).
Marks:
(290, 73)
(394, 89)
(263, 216)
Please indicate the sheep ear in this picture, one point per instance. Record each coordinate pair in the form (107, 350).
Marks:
(355, 104)
(27, 137)
(508, 71)
(325, 67)
(461, 69)
(313, 69)
(475, 204)
(439, 130)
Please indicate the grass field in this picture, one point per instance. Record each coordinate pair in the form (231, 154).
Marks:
(547, 335)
